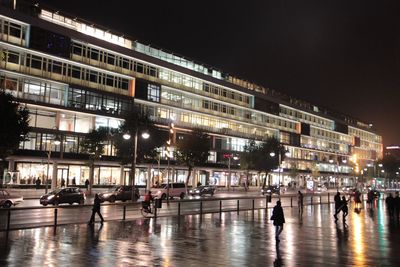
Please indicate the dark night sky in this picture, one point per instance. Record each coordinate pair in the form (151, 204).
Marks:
(342, 54)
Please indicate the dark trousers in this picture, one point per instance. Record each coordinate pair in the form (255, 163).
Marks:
(93, 214)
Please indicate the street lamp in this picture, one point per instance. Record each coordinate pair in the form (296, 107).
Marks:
(170, 154)
(56, 142)
(127, 136)
(272, 154)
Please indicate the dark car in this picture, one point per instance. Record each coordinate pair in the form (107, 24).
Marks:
(68, 195)
(123, 193)
(272, 189)
(202, 190)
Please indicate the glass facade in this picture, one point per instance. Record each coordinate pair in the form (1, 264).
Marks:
(80, 85)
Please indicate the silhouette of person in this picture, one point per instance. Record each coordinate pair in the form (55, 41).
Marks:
(279, 219)
(62, 182)
(390, 205)
(344, 208)
(87, 184)
(357, 199)
(396, 204)
(338, 204)
(96, 209)
(370, 199)
(300, 201)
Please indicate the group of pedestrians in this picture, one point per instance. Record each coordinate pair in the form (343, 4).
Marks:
(341, 205)
(393, 206)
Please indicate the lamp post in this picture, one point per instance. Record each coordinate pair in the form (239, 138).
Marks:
(272, 154)
(171, 131)
(229, 156)
(56, 142)
(127, 136)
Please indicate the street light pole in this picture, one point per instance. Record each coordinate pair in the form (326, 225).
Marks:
(133, 170)
(48, 167)
(127, 136)
(171, 129)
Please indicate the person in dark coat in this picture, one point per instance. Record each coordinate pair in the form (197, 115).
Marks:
(390, 205)
(300, 201)
(279, 219)
(38, 183)
(396, 203)
(338, 204)
(62, 182)
(344, 208)
(96, 209)
(370, 199)
(87, 184)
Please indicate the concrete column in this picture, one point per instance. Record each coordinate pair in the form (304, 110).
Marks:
(54, 176)
(122, 175)
(149, 178)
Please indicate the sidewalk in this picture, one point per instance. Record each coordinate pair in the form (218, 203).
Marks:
(313, 239)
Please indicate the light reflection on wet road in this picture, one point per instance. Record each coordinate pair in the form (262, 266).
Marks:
(313, 239)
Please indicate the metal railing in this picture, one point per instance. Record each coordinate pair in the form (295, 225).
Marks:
(31, 217)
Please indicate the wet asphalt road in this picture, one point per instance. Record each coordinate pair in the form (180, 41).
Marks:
(311, 239)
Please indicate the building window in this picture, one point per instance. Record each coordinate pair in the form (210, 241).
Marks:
(153, 92)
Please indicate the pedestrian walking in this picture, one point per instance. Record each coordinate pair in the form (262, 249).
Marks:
(87, 184)
(62, 182)
(279, 219)
(338, 204)
(300, 201)
(96, 209)
(38, 183)
(357, 200)
(370, 199)
(390, 205)
(396, 204)
(344, 208)
(74, 181)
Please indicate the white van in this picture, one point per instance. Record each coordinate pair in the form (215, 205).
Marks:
(175, 190)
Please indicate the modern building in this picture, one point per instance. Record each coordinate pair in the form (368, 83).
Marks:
(75, 76)
(393, 151)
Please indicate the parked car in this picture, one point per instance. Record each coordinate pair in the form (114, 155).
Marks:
(202, 190)
(68, 195)
(175, 190)
(7, 200)
(123, 193)
(271, 189)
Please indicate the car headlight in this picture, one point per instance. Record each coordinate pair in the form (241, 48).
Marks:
(190, 191)
(159, 192)
(50, 197)
(197, 191)
(269, 191)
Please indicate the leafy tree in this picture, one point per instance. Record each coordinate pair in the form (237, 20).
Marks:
(247, 157)
(138, 122)
(14, 126)
(93, 144)
(263, 161)
(192, 150)
(293, 173)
